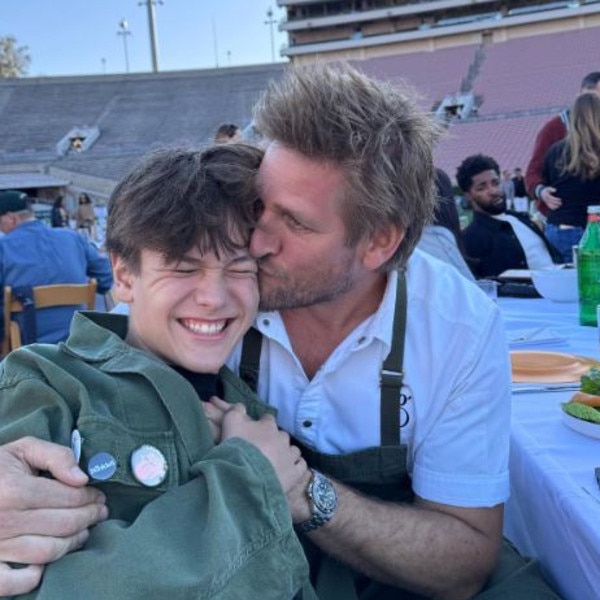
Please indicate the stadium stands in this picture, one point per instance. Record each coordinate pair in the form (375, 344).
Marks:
(536, 72)
(509, 141)
(434, 74)
(517, 85)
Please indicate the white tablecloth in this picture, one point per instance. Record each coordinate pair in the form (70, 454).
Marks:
(554, 509)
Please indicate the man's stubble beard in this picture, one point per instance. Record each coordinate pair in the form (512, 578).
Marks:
(289, 294)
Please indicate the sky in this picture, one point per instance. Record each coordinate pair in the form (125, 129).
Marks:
(79, 37)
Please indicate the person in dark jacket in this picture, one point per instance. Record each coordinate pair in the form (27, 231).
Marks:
(499, 239)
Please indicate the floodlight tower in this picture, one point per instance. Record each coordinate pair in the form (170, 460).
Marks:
(270, 22)
(150, 4)
(124, 31)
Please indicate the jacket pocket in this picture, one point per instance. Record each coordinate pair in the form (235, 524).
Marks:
(107, 447)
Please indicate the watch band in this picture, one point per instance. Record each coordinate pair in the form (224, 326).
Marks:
(324, 501)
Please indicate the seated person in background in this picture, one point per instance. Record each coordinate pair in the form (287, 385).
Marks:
(442, 238)
(499, 239)
(33, 254)
(188, 517)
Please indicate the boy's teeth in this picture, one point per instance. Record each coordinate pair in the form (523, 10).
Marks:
(205, 328)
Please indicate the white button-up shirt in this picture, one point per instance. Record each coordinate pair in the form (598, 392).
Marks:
(455, 401)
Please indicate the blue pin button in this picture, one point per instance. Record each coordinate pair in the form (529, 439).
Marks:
(102, 466)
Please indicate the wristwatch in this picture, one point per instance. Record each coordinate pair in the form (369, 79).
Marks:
(323, 499)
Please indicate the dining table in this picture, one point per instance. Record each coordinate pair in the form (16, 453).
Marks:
(553, 513)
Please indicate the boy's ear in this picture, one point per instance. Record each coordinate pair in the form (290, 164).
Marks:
(123, 279)
(381, 246)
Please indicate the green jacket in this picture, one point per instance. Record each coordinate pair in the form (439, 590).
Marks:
(217, 527)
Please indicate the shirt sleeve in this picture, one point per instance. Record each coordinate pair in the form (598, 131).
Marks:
(463, 460)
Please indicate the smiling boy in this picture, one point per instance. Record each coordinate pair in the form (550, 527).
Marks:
(189, 518)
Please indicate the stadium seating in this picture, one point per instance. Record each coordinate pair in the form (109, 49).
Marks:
(517, 84)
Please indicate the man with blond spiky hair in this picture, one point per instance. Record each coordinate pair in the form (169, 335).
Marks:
(386, 366)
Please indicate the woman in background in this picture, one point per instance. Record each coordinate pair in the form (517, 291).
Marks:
(59, 216)
(572, 168)
(85, 216)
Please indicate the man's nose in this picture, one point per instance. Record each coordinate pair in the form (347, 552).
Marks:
(264, 240)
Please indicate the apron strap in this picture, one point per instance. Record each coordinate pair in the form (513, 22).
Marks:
(392, 374)
(250, 360)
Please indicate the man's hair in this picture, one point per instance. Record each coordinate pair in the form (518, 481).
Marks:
(471, 166)
(373, 131)
(581, 151)
(225, 132)
(590, 81)
(177, 199)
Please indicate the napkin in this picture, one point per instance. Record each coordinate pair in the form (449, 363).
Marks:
(533, 337)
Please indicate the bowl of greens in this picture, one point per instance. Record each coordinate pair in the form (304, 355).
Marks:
(582, 412)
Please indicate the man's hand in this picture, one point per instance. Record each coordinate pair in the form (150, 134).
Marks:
(547, 197)
(286, 459)
(41, 519)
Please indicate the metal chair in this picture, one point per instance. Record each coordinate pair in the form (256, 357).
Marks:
(44, 296)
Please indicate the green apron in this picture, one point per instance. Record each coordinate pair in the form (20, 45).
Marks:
(382, 472)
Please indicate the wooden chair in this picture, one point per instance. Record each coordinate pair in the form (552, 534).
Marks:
(44, 296)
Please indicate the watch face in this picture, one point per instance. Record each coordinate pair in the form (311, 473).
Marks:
(324, 495)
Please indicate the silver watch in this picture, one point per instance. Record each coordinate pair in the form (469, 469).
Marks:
(323, 499)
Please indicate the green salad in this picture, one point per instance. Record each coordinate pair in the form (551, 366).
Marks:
(582, 407)
(590, 382)
(582, 411)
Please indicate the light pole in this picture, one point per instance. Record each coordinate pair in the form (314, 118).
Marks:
(124, 31)
(152, 30)
(270, 22)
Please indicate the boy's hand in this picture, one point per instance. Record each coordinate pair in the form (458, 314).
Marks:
(41, 519)
(215, 410)
(286, 459)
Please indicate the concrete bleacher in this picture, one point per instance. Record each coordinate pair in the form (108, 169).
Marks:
(133, 112)
(509, 141)
(520, 83)
(434, 74)
(536, 72)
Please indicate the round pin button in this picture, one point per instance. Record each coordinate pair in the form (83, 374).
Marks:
(102, 466)
(149, 466)
(76, 440)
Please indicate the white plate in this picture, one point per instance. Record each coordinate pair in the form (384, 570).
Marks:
(529, 366)
(581, 426)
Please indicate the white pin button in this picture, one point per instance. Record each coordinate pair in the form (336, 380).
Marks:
(149, 466)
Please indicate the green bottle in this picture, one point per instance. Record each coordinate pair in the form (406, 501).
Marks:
(588, 268)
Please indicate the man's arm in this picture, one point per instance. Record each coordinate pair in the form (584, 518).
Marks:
(41, 519)
(227, 529)
(552, 132)
(461, 544)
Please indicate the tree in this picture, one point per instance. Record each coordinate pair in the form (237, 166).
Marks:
(14, 60)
